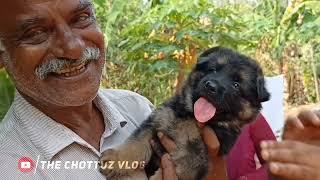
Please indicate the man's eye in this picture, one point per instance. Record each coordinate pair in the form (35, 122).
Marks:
(36, 33)
(35, 36)
(83, 17)
(82, 20)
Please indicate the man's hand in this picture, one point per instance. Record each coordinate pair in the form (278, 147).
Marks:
(217, 168)
(216, 171)
(304, 127)
(298, 156)
(292, 159)
(168, 168)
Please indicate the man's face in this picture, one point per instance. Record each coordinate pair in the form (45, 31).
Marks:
(54, 49)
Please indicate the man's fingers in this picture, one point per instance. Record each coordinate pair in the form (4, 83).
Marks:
(211, 140)
(284, 155)
(166, 162)
(292, 122)
(276, 145)
(168, 168)
(309, 118)
(317, 112)
(288, 151)
(167, 143)
(156, 149)
(288, 144)
(288, 170)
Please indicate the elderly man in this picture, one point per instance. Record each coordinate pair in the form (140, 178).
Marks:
(54, 53)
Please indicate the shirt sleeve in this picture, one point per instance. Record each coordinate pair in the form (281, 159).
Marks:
(240, 160)
(140, 107)
(260, 174)
(132, 106)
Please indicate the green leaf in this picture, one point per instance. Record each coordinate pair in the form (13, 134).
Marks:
(6, 93)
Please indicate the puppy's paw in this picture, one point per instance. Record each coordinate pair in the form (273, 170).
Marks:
(109, 165)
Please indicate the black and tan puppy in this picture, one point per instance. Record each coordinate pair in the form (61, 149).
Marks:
(225, 90)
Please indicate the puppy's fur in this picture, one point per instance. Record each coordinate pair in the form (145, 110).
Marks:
(239, 91)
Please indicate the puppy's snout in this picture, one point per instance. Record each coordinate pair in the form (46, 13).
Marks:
(211, 86)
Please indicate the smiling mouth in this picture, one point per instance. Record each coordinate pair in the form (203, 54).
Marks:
(72, 71)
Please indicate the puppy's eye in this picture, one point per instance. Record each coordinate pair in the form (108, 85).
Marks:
(236, 85)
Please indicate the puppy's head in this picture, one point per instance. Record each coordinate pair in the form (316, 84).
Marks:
(231, 82)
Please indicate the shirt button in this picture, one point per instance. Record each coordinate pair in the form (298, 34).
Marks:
(123, 123)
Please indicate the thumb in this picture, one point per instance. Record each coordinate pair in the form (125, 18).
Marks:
(168, 168)
(211, 140)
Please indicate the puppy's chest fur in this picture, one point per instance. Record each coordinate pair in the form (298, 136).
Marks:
(178, 122)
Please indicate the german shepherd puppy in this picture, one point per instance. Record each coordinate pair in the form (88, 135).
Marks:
(225, 89)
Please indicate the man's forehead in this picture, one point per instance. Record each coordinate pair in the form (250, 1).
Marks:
(22, 5)
(14, 10)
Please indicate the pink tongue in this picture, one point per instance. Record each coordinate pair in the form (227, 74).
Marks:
(203, 110)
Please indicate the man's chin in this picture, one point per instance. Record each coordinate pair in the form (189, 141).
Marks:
(77, 90)
(66, 97)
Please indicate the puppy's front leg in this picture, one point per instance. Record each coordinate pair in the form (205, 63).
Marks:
(136, 149)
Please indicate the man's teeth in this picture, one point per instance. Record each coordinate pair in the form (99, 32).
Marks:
(72, 71)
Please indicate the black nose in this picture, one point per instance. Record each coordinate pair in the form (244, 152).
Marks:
(211, 86)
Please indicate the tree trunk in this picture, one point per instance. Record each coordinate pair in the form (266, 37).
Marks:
(181, 76)
(314, 71)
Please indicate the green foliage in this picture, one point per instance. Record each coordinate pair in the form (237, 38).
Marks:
(154, 81)
(168, 31)
(6, 93)
(174, 25)
(168, 35)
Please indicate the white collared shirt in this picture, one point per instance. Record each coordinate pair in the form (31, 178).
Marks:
(27, 132)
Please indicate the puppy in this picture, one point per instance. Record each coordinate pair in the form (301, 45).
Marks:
(225, 89)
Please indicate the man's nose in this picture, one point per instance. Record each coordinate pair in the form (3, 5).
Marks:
(211, 86)
(68, 45)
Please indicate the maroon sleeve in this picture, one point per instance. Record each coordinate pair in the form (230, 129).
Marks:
(260, 131)
(240, 160)
(259, 174)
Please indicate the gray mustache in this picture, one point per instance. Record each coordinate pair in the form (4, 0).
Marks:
(56, 65)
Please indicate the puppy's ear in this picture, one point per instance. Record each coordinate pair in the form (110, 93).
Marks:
(263, 94)
(202, 63)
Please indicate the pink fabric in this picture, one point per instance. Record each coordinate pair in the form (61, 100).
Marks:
(240, 160)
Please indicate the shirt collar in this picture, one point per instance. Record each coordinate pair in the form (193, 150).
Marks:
(50, 137)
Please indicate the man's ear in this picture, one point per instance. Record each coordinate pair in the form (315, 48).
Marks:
(263, 94)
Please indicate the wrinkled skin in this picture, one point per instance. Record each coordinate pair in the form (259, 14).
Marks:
(34, 31)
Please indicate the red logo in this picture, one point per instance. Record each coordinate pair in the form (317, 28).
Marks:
(25, 164)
